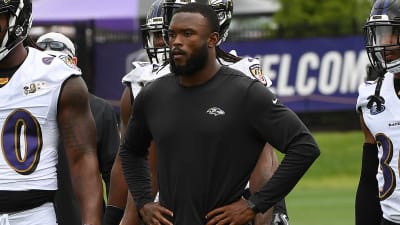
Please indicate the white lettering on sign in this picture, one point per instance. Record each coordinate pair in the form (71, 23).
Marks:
(334, 73)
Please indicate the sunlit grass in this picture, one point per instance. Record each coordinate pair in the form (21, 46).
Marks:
(326, 194)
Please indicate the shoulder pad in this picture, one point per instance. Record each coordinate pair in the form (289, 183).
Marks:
(137, 64)
(140, 68)
(251, 67)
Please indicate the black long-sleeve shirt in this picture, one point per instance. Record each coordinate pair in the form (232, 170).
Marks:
(208, 139)
(107, 140)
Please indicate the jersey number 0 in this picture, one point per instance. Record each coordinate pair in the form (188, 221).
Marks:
(21, 139)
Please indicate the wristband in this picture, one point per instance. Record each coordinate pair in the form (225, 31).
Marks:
(252, 206)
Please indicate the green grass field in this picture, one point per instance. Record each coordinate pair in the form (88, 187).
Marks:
(326, 194)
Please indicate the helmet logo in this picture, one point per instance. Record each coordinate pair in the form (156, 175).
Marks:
(6, 1)
(375, 110)
(18, 31)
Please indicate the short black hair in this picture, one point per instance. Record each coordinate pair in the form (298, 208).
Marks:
(204, 10)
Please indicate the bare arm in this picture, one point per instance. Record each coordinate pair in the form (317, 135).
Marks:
(263, 171)
(118, 187)
(368, 137)
(117, 197)
(126, 109)
(78, 131)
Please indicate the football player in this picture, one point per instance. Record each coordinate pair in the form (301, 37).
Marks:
(378, 193)
(43, 101)
(107, 134)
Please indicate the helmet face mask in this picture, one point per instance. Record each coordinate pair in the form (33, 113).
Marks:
(153, 42)
(383, 46)
(20, 22)
(382, 36)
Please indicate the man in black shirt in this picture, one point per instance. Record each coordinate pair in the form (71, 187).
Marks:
(214, 124)
(107, 135)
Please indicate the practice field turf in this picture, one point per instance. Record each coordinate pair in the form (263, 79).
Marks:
(326, 194)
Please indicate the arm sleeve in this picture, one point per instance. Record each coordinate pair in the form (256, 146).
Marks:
(279, 126)
(109, 143)
(368, 210)
(133, 152)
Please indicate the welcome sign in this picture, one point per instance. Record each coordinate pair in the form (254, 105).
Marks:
(317, 74)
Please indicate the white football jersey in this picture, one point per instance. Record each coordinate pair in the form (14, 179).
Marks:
(145, 72)
(384, 124)
(133, 76)
(142, 73)
(28, 121)
(252, 68)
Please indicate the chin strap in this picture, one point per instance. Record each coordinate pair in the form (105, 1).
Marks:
(379, 100)
(376, 98)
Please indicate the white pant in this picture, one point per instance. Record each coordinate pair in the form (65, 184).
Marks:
(42, 215)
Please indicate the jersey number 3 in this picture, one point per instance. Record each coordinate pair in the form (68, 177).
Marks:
(388, 174)
(21, 139)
